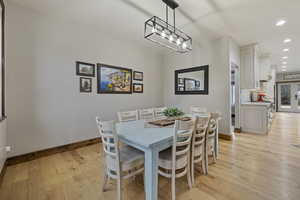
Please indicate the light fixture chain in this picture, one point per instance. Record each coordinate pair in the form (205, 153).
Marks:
(167, 15)
(174, 20)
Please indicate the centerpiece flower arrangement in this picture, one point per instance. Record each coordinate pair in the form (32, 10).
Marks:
(173, 113)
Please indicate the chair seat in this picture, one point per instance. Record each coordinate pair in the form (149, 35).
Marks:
(129, 154)
(129, 158)
(165, 160)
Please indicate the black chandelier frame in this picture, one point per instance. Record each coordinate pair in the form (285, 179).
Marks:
(159, 25)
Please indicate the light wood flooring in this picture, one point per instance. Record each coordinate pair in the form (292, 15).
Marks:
(252, 167)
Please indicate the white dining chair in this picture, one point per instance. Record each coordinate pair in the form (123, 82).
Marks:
(216, 116)
(146, 114)
(212, 144)
(197, 110)
(198, 145)
(175, 162)
(128, 116)
(159, 113)
(120, 162)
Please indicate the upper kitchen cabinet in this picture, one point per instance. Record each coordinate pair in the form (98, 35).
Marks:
(250, 74)
(265, 68)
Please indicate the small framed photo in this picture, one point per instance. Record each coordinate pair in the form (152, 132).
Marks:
(138, 76)
(180, 81)
(85, 84)
(138, 88)
(85, 69)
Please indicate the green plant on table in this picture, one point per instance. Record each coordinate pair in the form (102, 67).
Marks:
(173, 112)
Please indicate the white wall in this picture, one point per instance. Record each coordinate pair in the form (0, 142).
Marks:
(216, 55)
(44, 105)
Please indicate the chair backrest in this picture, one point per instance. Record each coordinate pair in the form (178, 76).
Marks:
(213, 124)
(200, 132)
(159, 112)
(128, 116)
(147, 114)
(182, 140)
(197, 109)
(212, 128)
(216, 115)
(110, 145)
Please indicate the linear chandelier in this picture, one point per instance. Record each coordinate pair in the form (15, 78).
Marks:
(163, 33)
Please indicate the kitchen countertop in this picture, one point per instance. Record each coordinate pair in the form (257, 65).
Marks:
(256, 103)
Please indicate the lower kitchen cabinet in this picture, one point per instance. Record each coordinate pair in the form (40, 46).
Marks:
(256, 117)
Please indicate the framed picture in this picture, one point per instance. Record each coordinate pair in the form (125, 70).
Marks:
(138, 88)
(114, 80)
(85, 69)
(192, 81)
(85, 84)
(138, 76)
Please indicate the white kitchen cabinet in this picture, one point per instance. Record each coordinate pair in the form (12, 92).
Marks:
(250, 73)
(265, 68)
(256, 117)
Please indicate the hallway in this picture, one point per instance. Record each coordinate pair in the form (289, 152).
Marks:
(252, 167)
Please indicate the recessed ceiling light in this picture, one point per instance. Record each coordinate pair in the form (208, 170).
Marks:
(284, 63)
(287, 40)
(284, 70)
(285, 57)
(283, 67)
(285, 50)
(280, 22)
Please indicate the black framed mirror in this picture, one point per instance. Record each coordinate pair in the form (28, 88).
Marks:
(192, 80)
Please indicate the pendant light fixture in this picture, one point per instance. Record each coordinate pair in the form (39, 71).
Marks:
(161, 32)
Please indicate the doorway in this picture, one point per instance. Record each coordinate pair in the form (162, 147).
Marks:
(289, 97)
(235, 97)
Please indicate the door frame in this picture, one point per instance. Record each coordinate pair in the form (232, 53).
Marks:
(277, 95)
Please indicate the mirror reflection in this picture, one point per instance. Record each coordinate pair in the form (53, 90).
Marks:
(191, 81)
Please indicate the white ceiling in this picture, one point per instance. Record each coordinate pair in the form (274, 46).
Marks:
(246, 21)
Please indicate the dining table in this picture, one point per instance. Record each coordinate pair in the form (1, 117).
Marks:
(151, 140)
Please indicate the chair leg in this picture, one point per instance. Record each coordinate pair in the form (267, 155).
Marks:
(214, 156)
(119, 187)
(189, 177)
(203, 166)
(173, 188)
(105, 181)
(206, 160)
(193, 172)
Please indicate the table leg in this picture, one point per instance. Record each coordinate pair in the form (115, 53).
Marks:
(217, 141)
(151, 174)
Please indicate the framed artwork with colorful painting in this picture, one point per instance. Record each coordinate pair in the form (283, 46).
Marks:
(113, 80)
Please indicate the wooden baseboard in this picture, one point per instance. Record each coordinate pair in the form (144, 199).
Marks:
(237, 130)
(47, 152)
(225, 136)
(68, 147)
(3, 172)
